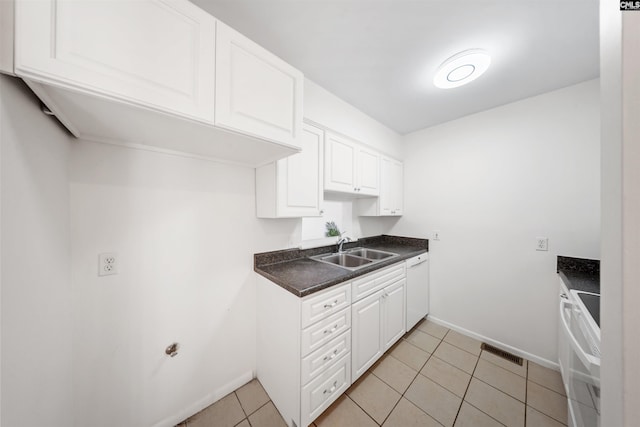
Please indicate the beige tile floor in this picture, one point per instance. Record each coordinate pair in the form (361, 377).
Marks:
(431, 377)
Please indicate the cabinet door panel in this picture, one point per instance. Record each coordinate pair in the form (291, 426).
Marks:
(256, 92)
(300, 177)
(398, 187)
(156, 53)
(394, 313)
(367, 344)
(318, 334)
(391, 187)
(340, 156)
(320, 393)
(317, 307)
(368, 172)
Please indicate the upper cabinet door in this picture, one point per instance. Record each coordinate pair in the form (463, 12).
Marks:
(368, 167)
(391, 189)
(398, 187)
(300, 177)
(340, 164)
(257, 93)
(155, 53)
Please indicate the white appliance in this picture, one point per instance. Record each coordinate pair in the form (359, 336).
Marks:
(417, 289)
(579, 357)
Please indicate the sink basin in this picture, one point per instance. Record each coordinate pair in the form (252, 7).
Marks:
(346, 260)
(354, 259)
(371, 254)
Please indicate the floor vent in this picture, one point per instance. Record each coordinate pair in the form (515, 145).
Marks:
(504, 354)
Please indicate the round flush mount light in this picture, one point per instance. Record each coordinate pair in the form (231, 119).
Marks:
(462, 68)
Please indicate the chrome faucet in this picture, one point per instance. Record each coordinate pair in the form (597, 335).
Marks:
(342, 242)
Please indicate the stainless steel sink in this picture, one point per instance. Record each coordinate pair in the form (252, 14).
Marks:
(346, 260)
(370, 253)
(355, 258)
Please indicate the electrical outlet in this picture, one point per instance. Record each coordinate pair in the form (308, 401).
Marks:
(436, 235)
(107, 264)
(542, 243)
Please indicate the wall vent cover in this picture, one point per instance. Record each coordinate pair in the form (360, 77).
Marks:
(501, 353)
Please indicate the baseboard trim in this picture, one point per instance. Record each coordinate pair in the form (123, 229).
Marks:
(209, 399)
(518, 352)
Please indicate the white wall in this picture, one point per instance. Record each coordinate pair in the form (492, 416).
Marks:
(325, 108)
(36, 290)
(491, 183)
(185, 233)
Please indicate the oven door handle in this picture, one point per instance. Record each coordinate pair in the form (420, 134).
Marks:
(590, 361)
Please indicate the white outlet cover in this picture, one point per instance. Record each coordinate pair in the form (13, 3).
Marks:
(542, 243)
(107, 264)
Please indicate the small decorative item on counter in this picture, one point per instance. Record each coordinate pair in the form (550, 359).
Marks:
(332, 229)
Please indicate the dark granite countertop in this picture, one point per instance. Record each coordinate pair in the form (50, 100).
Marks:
(580, 274)
(294, 271)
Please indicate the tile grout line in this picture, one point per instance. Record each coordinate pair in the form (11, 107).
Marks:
(363, 410)
(414, 378)
(526, 394)
(466, 390)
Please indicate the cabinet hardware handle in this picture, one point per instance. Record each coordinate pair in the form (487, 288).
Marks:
(564, 296)
(332, 330)
(333, 304)
(332, 356)
(332, 389)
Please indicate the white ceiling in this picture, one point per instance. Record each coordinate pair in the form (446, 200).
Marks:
(380, 55)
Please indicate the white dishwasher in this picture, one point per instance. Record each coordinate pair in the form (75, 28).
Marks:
(417, 289)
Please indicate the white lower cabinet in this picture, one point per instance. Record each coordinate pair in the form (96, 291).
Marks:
(325, 389)
(311, 349)
(378, 322)
(367, 342)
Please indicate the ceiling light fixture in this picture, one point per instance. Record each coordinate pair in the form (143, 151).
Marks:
(462, 68)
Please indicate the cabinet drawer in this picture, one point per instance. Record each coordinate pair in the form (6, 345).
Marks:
(325, 357)
(371, 283)
(318, 334)
(317, 307)
(324, 390)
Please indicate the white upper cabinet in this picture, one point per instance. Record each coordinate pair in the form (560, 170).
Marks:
(153, 73)
(256, 92)
(159, 54)
(367, 172)
(292, 187)
(339, 164)
(350, 168)
(391, 199)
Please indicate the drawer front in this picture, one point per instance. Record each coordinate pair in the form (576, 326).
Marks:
(318, 334)
(318, 307)
(325, 357)
(320, 393)
(371, 283)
